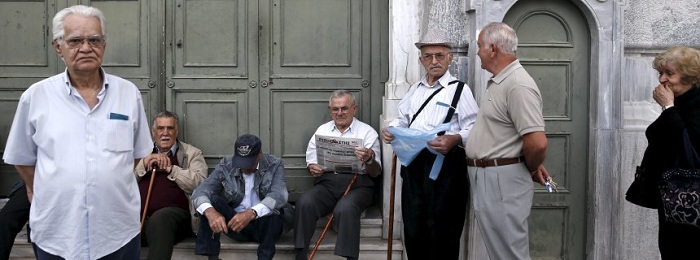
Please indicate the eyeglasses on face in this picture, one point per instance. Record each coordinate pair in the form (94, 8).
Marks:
(77, 41)
(438, 56)
(342, 110)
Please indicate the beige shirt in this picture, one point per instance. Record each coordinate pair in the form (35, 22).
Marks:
(510, 108)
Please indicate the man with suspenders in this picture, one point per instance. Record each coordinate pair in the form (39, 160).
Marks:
(434, 207)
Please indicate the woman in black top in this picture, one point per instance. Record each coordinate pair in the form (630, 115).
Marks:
(679, 96)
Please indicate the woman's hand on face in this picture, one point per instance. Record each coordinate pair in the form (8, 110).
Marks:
(663, 95)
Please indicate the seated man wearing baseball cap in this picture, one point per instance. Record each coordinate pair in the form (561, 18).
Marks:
(245, 197)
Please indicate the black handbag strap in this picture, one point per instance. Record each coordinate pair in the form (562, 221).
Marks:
(423, 105)
(690, 154)
(453, 106)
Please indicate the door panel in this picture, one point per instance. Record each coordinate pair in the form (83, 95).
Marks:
(554, 47)
(129, 52)
(312, 54)
(211, 70)
(327, 44)
(23, 26)
(213, 118)
(210, 39)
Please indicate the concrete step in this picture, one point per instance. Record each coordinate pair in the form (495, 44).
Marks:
(372, 245)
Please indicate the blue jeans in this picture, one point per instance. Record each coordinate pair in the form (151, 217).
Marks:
(265, 231)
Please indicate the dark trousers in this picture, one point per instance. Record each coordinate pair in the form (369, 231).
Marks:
(12, 218)
(165, 228)
(325, 196)
(677, 241)
(130, 251)
(434, 212)
(265, 231)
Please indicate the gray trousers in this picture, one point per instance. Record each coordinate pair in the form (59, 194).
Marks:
(502, 198)
(325, 197)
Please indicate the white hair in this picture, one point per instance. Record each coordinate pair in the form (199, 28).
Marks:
(83, 10)
(501, 35)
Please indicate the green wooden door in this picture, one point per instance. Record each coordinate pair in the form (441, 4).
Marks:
(267, 68)
(211, 70)
(311, 54)
(227, 67)
(554, 47)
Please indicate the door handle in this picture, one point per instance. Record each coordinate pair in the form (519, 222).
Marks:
(365, 83)
(253, 84)
(263, 84)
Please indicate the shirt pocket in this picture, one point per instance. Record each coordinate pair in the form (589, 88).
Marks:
(120, 136)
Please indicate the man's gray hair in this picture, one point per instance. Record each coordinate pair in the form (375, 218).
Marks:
(83, 10)
(341, 93)
(501, 35)
(166, 114)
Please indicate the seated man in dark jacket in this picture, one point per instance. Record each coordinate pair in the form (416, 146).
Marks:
(245, 197)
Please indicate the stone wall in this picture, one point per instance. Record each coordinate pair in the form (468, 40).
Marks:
(657, 24)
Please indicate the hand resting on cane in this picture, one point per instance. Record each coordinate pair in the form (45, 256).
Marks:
(161, 161)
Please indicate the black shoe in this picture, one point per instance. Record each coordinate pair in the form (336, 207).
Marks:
(301, 254)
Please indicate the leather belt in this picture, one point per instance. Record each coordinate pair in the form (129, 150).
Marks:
(494, 162)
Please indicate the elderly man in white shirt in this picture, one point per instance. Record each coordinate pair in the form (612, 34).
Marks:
(75, 139)
(326, 195)
(433, 207)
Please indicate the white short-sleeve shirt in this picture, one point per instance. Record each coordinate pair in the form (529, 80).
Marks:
(86, 201)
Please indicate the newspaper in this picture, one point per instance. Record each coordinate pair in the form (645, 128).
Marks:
(337, 154)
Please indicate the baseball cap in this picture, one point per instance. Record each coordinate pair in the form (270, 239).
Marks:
(246, 151)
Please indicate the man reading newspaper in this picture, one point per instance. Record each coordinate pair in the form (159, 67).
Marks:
(344, 145)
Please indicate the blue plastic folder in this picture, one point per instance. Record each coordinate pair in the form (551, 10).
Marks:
(408, 143)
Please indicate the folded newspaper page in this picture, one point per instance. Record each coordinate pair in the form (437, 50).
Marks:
(337, 154)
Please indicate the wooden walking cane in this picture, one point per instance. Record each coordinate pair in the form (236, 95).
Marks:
(330, 219)
(148, 196)
(392, 191)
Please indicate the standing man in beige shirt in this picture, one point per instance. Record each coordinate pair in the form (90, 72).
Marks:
(506, 147)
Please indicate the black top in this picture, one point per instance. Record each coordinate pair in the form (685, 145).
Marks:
(665, 136)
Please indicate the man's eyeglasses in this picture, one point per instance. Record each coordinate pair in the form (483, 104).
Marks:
(93, 41)
(439, 56)
(340, 109)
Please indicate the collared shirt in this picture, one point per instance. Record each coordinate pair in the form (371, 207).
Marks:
(357, 129)
(86, 202)
(173, 149)
(511, 107)
(434, 114)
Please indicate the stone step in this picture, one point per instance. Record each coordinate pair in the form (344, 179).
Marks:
(372, 245)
